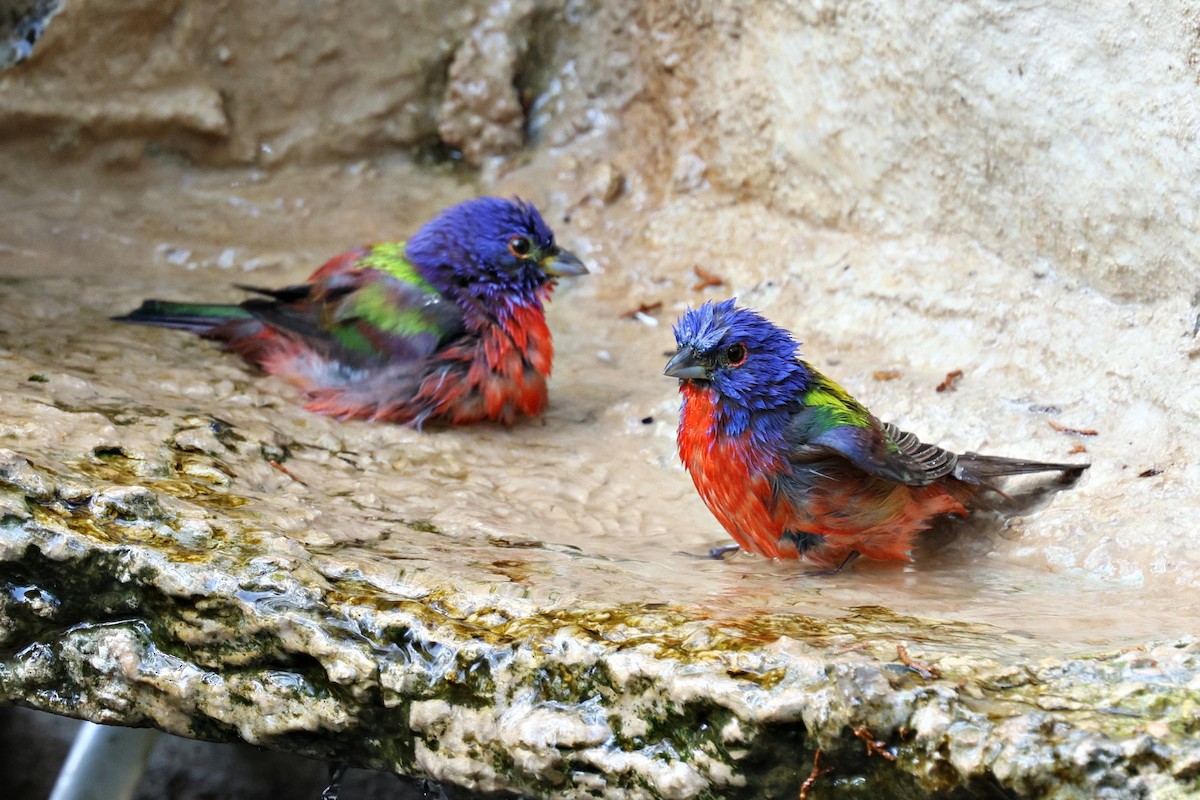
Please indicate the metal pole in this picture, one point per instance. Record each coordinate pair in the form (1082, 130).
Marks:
(105, 763)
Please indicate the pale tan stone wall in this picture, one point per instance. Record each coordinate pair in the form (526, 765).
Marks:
(225, 81)
(1057, 135)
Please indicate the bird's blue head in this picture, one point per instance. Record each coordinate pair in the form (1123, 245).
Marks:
(496, 252)
(751, 363)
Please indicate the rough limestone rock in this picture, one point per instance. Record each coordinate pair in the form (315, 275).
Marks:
(482, 114)
(123, 609)
(230, 82)
(1004, 191)
(1057, 137)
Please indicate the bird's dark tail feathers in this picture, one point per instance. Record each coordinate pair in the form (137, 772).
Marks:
(201, 318)
(984, 470)
(985, 467)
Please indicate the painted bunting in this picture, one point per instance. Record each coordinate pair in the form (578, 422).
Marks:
(448, 327)
(793, 466)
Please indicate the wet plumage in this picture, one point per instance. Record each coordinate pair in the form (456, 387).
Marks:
(793, 466)
(446, 327)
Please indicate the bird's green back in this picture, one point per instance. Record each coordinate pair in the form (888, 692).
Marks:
(403, 305)
(389, 257)
(831, 406)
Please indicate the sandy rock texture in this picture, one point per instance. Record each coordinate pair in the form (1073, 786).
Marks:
(226, 82)
(1004, 190)
(482, 114)
(1054, 136)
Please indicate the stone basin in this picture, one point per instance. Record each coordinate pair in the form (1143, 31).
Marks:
(515, 610)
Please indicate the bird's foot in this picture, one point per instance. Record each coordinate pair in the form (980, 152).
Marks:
(847, 561)
(715, 554)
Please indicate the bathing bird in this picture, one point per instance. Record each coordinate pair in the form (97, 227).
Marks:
(448, 327)
(792, 466)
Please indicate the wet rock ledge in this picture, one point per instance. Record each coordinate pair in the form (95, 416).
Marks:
(150, 602)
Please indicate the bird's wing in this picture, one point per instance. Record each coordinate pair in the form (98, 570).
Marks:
(364, 307)
(929, 461)
(829, 422)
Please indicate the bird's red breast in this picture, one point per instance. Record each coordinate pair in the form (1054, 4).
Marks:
(506, 372)
(735, 491)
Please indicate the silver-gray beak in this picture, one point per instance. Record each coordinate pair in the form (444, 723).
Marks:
(562, 263)
(685, 366)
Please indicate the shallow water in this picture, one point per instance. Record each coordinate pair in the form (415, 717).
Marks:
(588, 504)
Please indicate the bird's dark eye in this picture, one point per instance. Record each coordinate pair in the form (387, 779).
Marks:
(734, 355)
(519, 246)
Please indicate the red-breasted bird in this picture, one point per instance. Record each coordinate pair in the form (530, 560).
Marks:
(448, 327)
(793, 466)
